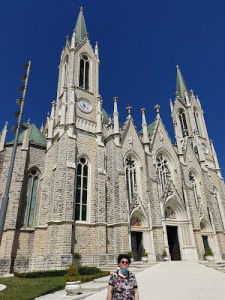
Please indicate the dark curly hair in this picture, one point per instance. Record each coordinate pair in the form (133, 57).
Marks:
(121, 256)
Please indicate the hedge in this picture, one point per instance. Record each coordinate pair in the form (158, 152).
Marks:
(53, 273)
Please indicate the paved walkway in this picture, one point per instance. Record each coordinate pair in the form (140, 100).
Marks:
(170, 281)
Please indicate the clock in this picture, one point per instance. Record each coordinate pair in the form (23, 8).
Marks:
(84, 105)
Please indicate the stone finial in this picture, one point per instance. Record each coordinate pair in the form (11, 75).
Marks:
(143, 116)
(171, 105)
(96, 49)
(157, 110)
(128, 109)
(53, 109)
(116, 122)
(42, 128)
(144, 130)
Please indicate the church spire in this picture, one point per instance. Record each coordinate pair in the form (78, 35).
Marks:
(181, 89)
(80, 28)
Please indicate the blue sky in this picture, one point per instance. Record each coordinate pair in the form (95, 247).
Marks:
(140, 44)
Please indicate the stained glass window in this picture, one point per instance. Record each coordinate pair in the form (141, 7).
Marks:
(30, 199)
(130, 178)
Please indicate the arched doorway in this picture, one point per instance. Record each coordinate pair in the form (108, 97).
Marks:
(139, 233)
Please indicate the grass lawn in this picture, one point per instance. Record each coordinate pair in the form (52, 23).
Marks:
(30, 288)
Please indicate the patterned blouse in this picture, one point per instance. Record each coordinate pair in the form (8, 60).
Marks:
(123, 288)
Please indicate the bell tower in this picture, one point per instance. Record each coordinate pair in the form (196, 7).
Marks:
(189, 124)
(78, 82)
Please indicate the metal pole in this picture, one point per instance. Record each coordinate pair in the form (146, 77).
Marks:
(5, 199)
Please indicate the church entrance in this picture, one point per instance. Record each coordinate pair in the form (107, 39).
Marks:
(173, 242)
(136, 244)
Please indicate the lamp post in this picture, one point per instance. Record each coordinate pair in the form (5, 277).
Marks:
(19, 114)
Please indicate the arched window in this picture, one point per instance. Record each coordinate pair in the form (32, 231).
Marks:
(81, 190)
(194, 185)
(162, 170)
(197, 121)
(84, 72)
(130, 178)
(30, 199)
(183, 123)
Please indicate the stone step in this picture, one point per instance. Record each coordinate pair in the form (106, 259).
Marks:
(218, 266)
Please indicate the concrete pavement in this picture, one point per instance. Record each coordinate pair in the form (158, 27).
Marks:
(170, 281)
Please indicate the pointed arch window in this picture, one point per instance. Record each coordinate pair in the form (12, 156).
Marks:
(197, 121)
(81, 190)
(30, 199)
(183, 122)
(130, 178)
(162, 170)
(84, 72)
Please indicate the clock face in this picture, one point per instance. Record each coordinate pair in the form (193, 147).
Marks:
(84, 105)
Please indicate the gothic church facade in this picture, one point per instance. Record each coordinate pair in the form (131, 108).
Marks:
(84, 183)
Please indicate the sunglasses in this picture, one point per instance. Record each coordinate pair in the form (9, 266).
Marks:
(124, 262)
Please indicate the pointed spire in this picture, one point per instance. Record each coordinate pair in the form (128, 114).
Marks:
(3, 136)
(144, 127)
(116, 122)
(80, 28)
(181, 89)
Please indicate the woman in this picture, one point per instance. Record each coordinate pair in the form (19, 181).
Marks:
(123, 284)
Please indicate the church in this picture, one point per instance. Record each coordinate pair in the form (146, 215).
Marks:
(85, 183)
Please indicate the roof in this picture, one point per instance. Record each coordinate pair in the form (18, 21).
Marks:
(80, 28)
(181, 85)
(34, 136)
(105, 116)
(150, 128)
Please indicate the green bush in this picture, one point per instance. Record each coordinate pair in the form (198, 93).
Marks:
(208, 252)
(55, 273)
(77, 256)
(40, 274)
(143, 254)
(72, 274)
(164, 253)
(88, 270)
(130, 254)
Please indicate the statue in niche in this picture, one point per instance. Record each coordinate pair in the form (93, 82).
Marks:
(170, 213)
(130, 141)
(202, 226)
(135, 221)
